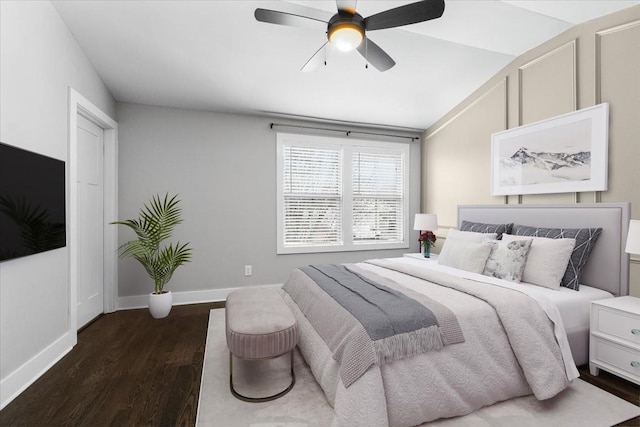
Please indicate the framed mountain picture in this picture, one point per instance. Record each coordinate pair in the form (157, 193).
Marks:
(564, 154)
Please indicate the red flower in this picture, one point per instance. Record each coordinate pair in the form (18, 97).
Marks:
(427, 236)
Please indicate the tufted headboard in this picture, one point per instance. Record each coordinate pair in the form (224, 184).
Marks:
(608, 265)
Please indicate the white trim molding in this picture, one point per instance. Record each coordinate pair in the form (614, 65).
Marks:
(574, 74)
(18, 381)
(489, 91)
(598, 64)
(78, 104)
(183, 298)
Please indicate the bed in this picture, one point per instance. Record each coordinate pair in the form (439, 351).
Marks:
(499, 340)
(608, 266)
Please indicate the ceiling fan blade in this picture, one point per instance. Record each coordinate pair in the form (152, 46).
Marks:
(404, 15)
(347, 6)
(375, 55)
(315, 61)
(284, 18)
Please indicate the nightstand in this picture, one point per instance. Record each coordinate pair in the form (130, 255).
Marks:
(433, 257)
(614, 343)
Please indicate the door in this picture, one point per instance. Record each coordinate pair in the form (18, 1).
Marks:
(90, 216)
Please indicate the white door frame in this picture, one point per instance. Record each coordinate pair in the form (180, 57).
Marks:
(80, 105)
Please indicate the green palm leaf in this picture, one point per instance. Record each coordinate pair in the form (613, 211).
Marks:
(155, 224)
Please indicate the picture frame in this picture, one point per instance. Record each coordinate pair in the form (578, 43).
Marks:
(563, 154)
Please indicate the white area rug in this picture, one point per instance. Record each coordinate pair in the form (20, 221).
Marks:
(581, 405)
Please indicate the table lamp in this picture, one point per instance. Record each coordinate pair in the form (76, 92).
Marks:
(426, 222)
(633, 237)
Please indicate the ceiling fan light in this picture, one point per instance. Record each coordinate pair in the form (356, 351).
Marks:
(346, 36)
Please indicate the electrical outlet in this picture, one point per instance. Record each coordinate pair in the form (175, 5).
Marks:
(248, 270)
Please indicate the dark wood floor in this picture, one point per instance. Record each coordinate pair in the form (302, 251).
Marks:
(127, 369)
(131, 370)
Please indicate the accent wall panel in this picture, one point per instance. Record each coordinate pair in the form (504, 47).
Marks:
(618, 74)
(617, 71)
(547, 88)
(548, 84)
(594, 62)
(457, 157)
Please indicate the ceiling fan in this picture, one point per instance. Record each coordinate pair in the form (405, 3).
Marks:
(346, 30)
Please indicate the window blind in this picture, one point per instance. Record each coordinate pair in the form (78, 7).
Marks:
(340, 194)
(378, 196)
(312, 192)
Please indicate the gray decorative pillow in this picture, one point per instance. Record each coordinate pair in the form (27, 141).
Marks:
(481, 227)
(585, 240)
(507, 260)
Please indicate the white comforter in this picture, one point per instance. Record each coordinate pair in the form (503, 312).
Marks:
(454, 381)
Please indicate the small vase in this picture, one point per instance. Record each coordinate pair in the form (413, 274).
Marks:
(427, 251)
(160, 304)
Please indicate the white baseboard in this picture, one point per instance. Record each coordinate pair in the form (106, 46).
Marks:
(17, 381)
(179, 298)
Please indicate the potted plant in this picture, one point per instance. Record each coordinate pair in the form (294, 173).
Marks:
(154, 225)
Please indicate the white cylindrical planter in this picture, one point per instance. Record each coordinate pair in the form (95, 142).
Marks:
(160, 304)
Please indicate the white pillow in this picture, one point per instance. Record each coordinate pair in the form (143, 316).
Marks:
(508, 259)
(464, 254)
(547, 260)
(471, 236)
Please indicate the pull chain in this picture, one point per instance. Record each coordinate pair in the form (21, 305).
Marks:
(366, 54)
(324, 51)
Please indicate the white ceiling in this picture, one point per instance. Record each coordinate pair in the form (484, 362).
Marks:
(214, 55)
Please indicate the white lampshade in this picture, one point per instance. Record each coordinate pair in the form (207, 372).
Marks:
(426, 222)
(633, 238)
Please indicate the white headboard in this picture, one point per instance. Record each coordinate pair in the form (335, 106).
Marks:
(608, 265)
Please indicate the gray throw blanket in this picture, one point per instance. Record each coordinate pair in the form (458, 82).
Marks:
(367, 319)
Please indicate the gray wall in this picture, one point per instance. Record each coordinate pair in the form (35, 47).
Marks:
(224, 168)
(39, 60)
(595, 62)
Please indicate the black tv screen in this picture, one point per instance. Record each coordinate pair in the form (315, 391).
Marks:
(32, 203)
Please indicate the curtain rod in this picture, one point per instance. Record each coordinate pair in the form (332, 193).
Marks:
(347, 132)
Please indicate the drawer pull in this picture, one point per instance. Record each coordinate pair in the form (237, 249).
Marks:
(635, 364)
(635, 331)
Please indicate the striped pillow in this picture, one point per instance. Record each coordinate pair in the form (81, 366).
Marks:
(585, 241)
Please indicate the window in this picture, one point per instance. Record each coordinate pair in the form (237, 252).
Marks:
(312, 196)
(337, 194)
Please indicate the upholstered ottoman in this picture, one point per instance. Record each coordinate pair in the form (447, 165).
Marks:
(259, 326)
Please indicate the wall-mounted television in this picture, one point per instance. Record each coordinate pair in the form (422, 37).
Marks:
(32, 203)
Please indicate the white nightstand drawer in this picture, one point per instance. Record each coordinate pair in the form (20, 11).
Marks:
(621, 325)
(617, 356)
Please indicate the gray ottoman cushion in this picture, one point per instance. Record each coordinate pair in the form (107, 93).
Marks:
(259, 324)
